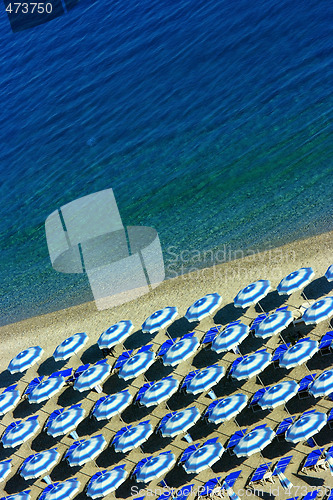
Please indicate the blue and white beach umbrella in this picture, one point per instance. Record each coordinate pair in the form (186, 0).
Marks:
(70, 346)
(18, 432)
(39, 464)
(64, 421)
(136, 365)
(9, 398)
(24, 495)
(115, 334)
(160, 319)
(159, 391)
(61, 491)
(180, 351)
(131, 437)
(230, 338)
(285, 483)
(251, 365)
(227, 408)
(273, 324)
(306, 426)
(319, 311)
(254, 441)
(46, 389)
(108, 406)
(179, 421)
(5, 468)
(295, 281)
(25, 359)
(104, 482)
(93, 376)
(231, 494)
(252, 293)
(323, 385)
(205, 379)
(203, 307)
(204, 457)
(155, 467)
(85, 450)
(298, 354)
(329, 273)
(278, 394)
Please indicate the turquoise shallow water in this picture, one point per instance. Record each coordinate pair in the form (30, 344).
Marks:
(212, 122)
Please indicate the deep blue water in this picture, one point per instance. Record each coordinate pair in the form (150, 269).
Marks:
(211, 120)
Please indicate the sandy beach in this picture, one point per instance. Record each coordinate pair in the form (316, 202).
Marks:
(226, 279)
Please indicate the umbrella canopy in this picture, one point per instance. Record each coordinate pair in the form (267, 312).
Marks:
(159, 391)
(178, 422)
(115, 334)
(285, 483)
(136, 365)
(39, 464)
(278, 394)
(306, 426)
(5, 468)
(251, 365)
(225, 409)
(319, 311)
(329, 460)
(295, 281)
(104, 482)
(298, 353)
(64, 421)
(155, 467)
(61, 491)
(329, 273)
(203, 307)
(203, 458)
(70, 346)
(46, 389)
(231, 494)
(204, 379)
(252, 293)
(85, 450)
(25, 359)
(24, 495)
(18, 432)
(160, 319)
(273, 324)
(323, 385)
(230, 338)
(9, 398)
(131, 437)
(108, 406)
(93, 376)
(180, 351)
(254, 441)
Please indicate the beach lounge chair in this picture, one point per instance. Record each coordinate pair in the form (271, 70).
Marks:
(326, 343)
(257, 321)
(304, 385)
(260, 472)
(280, 466)
(311, 495)
(211, 334)
(184, 492)
(34, 382)
(234, 364)
(255, 398)
(283, 426)
(312, 459)
(330, 495)
(234, 439)
(330, 419)
(278, 353)
(231, 478)
(209, 486)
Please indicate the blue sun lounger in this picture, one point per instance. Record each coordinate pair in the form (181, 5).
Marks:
(278, 353)
(312, 459)
(326, 343)
(283, 426)
(259, 473)
(311, 495)
(304, 385)
(235, 438)
(281, 465)
(209, 486)
(255, 398)
(231, 478)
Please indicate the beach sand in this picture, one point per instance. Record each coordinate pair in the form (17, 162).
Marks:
(227, 279)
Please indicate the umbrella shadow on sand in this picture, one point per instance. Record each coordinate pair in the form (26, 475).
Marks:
(25, 409)
(114, 384)
(227, 462)
(155, 442)
(180, 400)
(135, 412)
(7, 379)
(109, 457)
(271, 302)
(227, 314)
(138, 339)
(129, 488)
(50, 366)
(17, 483)
(318, 288)
(70, 397)
(158, 370)
(205, 357)
(177, 477)
(181, 326)
(89, 426)
(91, 355)
(63, 471)
(44, 441)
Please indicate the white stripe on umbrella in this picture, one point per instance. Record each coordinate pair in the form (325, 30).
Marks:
(61, 491)
(295, 281)
(70, 346)
(329, 273)
(251, 365)
(85, 450)
(104, 482)
(155, 467)
(178, 422)
(278, 394)
(319, 311)
(25, 359)
(8, 400)
(115, 334)
(203, 307)
(108, 406)
(305, 427)
(5, 468)
(205, 379)
(24, 495)
(46, 389)
(66, 421)
(19, 432)
(285, 483)
(130, 437)
(160, 320)
(159, 391)
(230, 338)
(298, 354)
(204, 457)
(252, 293)
(254, 441)
(93, 376)
(39, 464)
(227, 408)
(136, 365)
(323, 385)
(273, 324)
(180, 351)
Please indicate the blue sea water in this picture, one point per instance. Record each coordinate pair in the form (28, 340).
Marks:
(211, 120)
